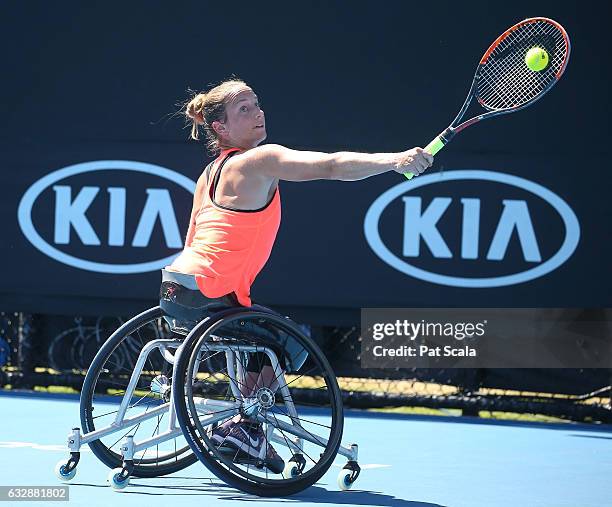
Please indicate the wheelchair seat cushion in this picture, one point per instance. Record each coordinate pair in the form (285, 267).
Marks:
(184, 305)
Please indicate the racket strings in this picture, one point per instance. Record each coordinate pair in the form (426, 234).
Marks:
(509, 89)
(505, 81)
(510, 76)
(509, 80)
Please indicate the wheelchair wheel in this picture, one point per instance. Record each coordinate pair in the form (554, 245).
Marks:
(104, 388)
(301, 414)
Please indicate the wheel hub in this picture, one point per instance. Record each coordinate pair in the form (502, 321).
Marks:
(161, 386)
(265, 398)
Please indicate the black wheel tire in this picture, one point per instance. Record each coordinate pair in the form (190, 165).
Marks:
(110, 458)
(271, 488)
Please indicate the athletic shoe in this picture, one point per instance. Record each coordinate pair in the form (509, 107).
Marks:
(242, 442)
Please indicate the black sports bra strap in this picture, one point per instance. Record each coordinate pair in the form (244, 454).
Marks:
(218, 174)
(207, 171)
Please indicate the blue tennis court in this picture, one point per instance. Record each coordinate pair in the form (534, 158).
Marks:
(406, 460)
(323, 253)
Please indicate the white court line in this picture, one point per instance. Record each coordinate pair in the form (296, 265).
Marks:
(38, 447)
(63, 448)
(367, 466)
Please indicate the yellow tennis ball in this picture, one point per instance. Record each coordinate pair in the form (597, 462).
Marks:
(536, 59)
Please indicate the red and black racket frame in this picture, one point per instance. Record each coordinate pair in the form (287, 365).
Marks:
(454, 129)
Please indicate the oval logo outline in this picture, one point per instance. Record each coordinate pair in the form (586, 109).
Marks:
(26, 204)
(570, 221)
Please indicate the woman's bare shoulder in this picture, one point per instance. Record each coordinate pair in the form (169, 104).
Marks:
(253, 160)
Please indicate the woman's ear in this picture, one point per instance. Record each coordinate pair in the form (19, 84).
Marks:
(219, 127)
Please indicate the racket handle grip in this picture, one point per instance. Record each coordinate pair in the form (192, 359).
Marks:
(435, 146)
(432, 148)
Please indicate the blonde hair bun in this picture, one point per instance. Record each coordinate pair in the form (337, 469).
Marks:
(203, 109)
(195, 108)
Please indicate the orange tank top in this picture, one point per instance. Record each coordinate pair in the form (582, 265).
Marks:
(228, 248)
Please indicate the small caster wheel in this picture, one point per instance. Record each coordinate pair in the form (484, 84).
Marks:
(60, 471)
(345, 480)
(291, 470)
(348, 475)
(117, 480)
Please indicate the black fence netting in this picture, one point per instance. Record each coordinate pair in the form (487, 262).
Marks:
(54, 352)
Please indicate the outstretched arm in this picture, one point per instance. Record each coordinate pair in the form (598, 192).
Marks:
(276, 161)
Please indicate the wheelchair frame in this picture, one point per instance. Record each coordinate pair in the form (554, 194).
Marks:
(119, 477)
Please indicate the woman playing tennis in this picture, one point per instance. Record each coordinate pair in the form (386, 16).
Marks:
(237, 211)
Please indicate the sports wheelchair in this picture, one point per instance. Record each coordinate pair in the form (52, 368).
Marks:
(198, 362)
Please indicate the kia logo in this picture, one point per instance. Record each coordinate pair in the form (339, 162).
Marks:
(70, 209)
(515, 223)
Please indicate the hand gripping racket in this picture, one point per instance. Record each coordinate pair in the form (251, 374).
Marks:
(503, 82)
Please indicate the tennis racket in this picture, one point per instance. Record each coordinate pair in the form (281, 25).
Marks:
(503, 83)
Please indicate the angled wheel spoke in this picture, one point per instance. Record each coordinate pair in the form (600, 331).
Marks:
(301, 419)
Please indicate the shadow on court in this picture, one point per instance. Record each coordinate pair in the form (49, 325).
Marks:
(317, 494)
(313, 495)
(590, 436)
